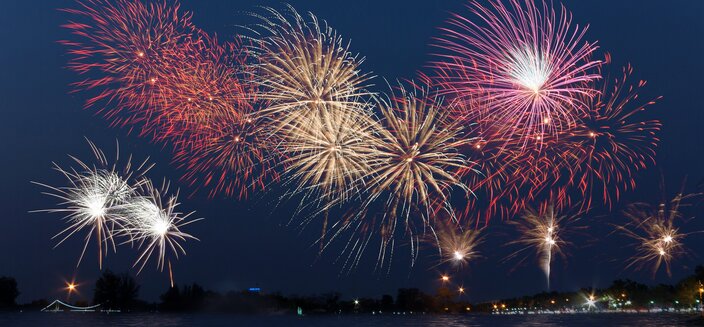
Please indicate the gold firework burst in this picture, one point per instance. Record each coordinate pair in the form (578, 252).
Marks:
(303, 63)
(329, 152)
(654, 230)
(418, 161)
(456, 245)
(542, 231)
(414, 169)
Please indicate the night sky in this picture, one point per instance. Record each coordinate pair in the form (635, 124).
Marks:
(247, 243)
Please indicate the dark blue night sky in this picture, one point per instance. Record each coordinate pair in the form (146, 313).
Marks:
(244, 243)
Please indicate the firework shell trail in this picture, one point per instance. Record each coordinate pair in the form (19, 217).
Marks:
(543, 231)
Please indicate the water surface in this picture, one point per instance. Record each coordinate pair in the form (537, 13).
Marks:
(74, 319)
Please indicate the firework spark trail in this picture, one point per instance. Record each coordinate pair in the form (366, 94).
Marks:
(229, 149)
(542, 231)
(655, 232)
(303, 64)
(91, 198)
(209, 79)
(523, 60)
(155, 225)
(512, 175)
(229, 154)
(506, 173)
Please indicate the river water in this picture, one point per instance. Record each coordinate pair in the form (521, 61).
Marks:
(75, 319)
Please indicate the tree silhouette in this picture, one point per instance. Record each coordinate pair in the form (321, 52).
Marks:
(8, 292)
(116, 291)
(171, 300)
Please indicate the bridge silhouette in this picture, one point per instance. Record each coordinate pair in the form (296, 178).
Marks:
(60, 306)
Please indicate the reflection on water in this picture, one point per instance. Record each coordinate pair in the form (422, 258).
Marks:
(71, 319)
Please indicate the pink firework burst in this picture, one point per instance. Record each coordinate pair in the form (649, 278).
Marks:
(524, 60)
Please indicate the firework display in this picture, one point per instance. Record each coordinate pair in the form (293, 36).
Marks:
(154, 71)
(523, 59)
(517, 111)
(329, 151)
(655, 230)
(118, 206)
(91, 198)
(456, 245)
(543, 231)
(155, 225)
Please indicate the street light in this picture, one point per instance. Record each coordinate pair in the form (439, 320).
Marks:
(70, 288)
(591, 302)
(445, 278)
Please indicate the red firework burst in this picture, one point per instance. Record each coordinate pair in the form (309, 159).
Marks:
(153, 69)
(122, 52)
(610, 140)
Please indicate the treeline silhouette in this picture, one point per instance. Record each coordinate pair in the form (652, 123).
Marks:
(121, 292)
(622, 294)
